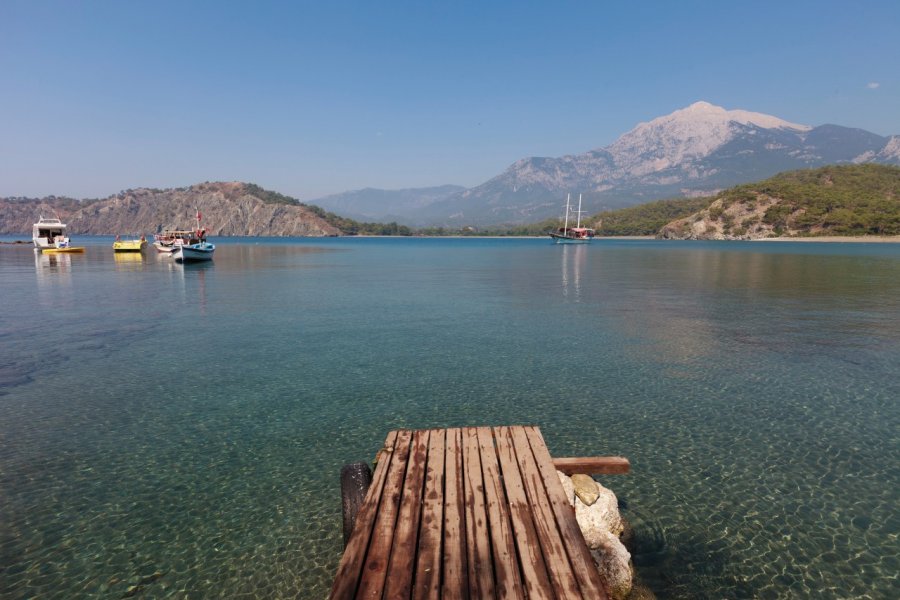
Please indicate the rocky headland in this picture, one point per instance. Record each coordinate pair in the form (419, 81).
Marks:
(227, 208)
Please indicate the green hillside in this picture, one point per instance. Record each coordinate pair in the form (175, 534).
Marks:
(833, 200)
(647, 219)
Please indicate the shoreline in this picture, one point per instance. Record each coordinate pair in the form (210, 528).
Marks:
(877, 239)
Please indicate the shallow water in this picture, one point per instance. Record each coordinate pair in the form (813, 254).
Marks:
(174, 431)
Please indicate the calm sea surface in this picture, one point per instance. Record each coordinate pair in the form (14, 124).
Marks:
(170, 431)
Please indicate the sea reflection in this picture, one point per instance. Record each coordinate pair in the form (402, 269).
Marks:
(190, 282)
(129, 261)
(52, 263)
(574, 258)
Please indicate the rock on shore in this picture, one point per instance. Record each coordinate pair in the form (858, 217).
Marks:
(597, 513)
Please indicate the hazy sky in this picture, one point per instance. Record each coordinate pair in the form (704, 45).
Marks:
(312, 98)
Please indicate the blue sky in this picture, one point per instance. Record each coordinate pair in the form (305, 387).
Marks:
(312, 98)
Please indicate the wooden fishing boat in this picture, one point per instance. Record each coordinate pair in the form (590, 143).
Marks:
(199, 251)
(194, 252)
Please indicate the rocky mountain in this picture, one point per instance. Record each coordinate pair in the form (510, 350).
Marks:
(383, 206)
(833, 200)
(698, 150)
(227, 209)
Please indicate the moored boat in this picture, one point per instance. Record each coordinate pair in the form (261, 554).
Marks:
(572, 235)
(49, 235)
(129, 245)
(198, 251)
(194, 252)
(171, 239)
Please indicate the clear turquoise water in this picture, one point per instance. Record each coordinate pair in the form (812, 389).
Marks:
(171, 431)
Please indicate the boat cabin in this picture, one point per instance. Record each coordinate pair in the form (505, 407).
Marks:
(576, 233)
(48, 232)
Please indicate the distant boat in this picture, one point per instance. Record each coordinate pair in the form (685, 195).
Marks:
(49, 236)
(572, 235)
(201, 250)
(131, 245)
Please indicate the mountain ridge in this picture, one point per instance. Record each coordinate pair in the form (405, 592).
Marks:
(694, 151)
(228, 208)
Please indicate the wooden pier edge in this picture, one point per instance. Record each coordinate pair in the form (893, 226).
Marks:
(593, 465)
(470, 512)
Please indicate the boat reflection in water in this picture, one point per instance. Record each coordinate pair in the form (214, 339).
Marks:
(129, 261)
(192, 279)
(573, 261)
(54, 278)
(52, 263)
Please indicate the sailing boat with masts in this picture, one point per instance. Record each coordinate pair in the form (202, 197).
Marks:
(572, 235)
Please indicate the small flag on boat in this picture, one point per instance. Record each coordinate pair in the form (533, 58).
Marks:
(198, 214)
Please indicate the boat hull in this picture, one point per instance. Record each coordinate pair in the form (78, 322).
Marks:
(65, 250)
(561, 239)
(194, 253)
(129, 246)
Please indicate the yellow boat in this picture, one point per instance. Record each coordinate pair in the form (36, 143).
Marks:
(135, 245)
(63, 250)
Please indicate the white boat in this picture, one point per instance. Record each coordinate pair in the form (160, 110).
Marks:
(49, 236)
(201, 250)
(170, 239)
(572, 235)
(194, 252)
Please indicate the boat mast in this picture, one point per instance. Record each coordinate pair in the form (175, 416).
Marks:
(579, 212)
(566, 226)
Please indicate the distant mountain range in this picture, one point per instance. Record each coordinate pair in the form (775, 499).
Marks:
(383, 206)
(698, 150)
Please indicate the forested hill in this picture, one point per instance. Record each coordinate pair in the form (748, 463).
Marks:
(834, 200)
(232, 208)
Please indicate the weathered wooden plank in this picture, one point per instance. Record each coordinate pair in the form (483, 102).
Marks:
(350, 568)
(579, 555)
(371, 584)
(593, 465)
(481, 572)
(470, 513)
(455, 576)
(428, 562)
(503, 545)
(559, 567)
(398, 583)
(531, 559)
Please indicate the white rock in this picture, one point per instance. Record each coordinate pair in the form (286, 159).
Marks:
(568, 487)
(599, 518)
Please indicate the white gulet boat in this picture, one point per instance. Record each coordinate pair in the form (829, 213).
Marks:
(199, 251)
(572, 235)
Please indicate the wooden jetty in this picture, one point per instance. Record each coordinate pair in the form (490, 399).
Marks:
(474, 512)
